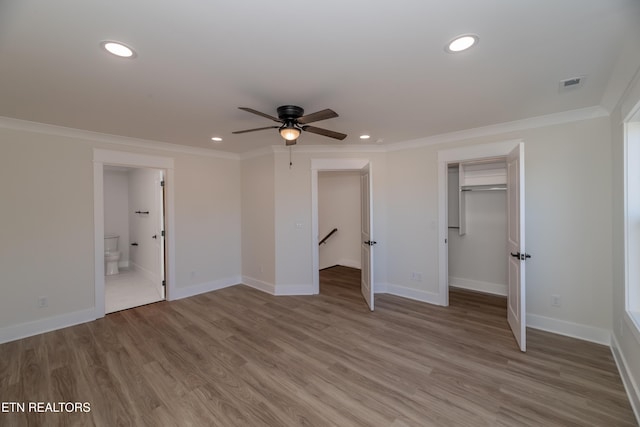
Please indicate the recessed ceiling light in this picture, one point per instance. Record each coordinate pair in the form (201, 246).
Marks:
(118, 49)
(365, 136)
(462, 42)
(216, 139)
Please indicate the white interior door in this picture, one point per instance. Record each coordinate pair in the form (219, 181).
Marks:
(516, 301)
(366, 280)
(161, 239)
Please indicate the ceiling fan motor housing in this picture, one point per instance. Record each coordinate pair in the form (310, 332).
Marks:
(290, 112)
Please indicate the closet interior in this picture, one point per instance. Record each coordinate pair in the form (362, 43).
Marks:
(477, 221)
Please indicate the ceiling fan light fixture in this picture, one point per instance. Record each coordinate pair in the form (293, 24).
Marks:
(289, 132)
(461, 43)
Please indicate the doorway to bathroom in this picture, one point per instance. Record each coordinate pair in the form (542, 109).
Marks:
(153, 258)
(134, 237)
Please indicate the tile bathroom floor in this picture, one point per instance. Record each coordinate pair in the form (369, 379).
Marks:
(129, 289)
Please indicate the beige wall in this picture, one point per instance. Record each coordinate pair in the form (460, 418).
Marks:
(46, 232)
(258, 220)
(294, 261)
(626, 336)
(568, 217)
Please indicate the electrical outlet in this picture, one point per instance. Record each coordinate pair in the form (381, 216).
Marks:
(43, 302)
(556, 301)
(416, 277)
(193, 275)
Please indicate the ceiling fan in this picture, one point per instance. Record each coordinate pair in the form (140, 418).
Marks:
(293, 122)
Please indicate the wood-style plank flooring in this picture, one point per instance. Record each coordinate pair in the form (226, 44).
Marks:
(240, 357)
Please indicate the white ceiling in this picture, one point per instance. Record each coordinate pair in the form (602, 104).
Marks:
(381, 65)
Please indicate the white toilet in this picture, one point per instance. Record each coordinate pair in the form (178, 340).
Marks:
(111, 254)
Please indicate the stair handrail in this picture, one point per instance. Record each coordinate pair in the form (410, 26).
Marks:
(327, 236)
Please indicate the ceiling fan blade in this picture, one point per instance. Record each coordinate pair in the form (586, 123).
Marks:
(253, 130)
(324, 132)
(251, 110)
(317, 116)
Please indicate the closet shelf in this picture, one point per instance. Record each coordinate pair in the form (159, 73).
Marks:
(487, 187)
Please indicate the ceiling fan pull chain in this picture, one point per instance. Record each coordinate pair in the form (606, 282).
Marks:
(290, 162)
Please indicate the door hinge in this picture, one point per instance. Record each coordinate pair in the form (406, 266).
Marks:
(162, 183)
(162, 233)
(164, 283)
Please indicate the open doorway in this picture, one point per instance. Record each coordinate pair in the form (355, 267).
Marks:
(339, 224)
(110, 158)
(134, 237)
(362, 169)
(484, 169)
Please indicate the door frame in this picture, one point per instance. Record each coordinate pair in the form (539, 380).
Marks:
(127, 159)
(326, 165)
(456, 155)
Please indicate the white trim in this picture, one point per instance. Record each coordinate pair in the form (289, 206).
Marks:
(331, 164)
(347, 148)
(202, 288)
(632, 319)
(123, 158)
(282, 290)
(381, 288)
(85, 135)
(414, 294)
(265, 151)
(630, 384)
(154, 278)
(569, 329)
(260, 285)
(514, 126)
(500, 289)
(149, 275)
(338, 164)
(48, 324)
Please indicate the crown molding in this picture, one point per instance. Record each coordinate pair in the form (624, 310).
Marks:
(514, 126)
(264, 151)
(89, 136)
(500, 128)
(359, 148)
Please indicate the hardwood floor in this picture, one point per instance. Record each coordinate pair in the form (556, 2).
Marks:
(242, 357)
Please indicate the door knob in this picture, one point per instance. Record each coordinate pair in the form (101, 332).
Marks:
(370, 242)
(155, 236)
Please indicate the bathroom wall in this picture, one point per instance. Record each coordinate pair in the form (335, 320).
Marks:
(339, 207)
(144, 195)
(116, 209)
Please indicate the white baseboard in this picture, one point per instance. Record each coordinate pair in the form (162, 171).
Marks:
(479, 286)
(630, 384)
(259, 285)
(415, 294)
(282, 290)
(569, 329)
(380, 288)
(154, 277)
(48, 324)
(201, 288)
(349, 263)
